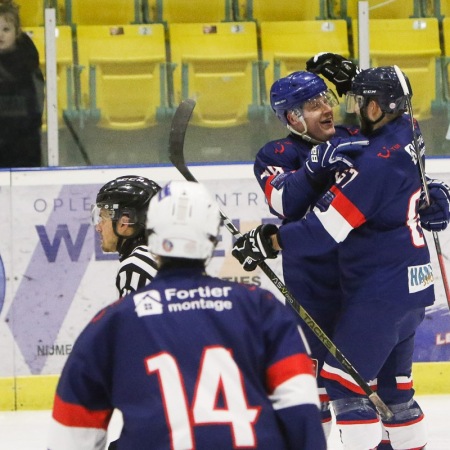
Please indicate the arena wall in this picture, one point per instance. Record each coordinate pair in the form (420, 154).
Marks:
(54, 276)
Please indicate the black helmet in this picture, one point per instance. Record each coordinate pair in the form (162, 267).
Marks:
(128, 195)
(384, 85)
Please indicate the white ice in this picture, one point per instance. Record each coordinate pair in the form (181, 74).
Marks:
(27, 430)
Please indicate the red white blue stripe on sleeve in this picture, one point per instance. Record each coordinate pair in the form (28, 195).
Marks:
(274, 196)
(341, 217)
(78, 426)
(291, 382)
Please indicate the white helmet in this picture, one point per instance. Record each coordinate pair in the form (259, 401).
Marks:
(183, 221)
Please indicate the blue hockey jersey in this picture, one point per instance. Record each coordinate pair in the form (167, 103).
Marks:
(279, 170)
(192, 362)
(370, 216)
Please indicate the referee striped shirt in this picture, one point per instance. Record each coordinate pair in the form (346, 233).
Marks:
(135, 271)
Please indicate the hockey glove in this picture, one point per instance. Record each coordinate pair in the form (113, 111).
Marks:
(335, 68)
(255, 246)
(332, 155)
(436, 216)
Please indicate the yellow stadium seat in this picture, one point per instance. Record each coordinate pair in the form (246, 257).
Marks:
(281, 10)
(286, 46)
(64, 65)
(31, 12)
(123, 74)
(378, 9)
(217, 65)
(411, 44)
(182, 11)
(103, 12)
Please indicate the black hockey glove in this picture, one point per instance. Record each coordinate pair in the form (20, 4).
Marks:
(335, 68)
(255, 246)
(436, 216)
(332, 155)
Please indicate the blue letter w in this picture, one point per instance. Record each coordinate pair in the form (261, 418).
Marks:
(62, 233)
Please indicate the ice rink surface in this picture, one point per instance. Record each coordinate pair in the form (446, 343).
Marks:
(27, 430)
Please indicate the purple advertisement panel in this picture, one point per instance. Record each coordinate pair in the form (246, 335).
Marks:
(59, 277)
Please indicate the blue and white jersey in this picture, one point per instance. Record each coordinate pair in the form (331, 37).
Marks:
(370, 215)
(279, 170)
(192, 362)
(290, 193)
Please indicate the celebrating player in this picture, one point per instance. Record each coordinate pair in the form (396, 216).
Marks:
(293, 181)
(191, 361)
(370, 218)
(119, 217)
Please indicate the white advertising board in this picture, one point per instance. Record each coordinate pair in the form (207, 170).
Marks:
(54, 276)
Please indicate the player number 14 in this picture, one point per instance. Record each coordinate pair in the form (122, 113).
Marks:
(218, 374)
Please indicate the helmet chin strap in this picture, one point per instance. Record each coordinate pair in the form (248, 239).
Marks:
(303, 135)
(120, 243)
(121, 239)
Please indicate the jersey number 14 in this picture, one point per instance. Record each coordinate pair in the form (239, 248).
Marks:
(218, 374)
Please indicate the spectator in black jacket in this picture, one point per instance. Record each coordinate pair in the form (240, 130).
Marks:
(21, 93)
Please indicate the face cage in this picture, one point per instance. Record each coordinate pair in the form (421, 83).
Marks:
(326, 98)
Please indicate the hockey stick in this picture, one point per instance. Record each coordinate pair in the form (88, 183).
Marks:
(178, 129)
(423, 178)
(76, 139)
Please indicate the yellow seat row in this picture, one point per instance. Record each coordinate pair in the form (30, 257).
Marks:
(126, 80)
(130, 76)
(124, 12)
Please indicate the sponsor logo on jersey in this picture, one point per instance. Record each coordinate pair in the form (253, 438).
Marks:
(192, 305)
(203, 297)
(420, 277)
(148, 303)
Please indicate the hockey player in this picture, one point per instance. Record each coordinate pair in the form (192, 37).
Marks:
(370, 217)
(119, 217)
(192, 361)
(293, 182)
(341, 72)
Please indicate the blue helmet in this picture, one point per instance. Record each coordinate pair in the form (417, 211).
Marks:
(291, 91)
(382, 84)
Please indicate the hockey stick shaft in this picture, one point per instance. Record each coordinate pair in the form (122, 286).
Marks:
(423, 179)
(435, 235)
(77, 139)
(176, 154)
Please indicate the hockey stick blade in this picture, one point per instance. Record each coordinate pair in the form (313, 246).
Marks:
(177, 134)
(180, 123)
